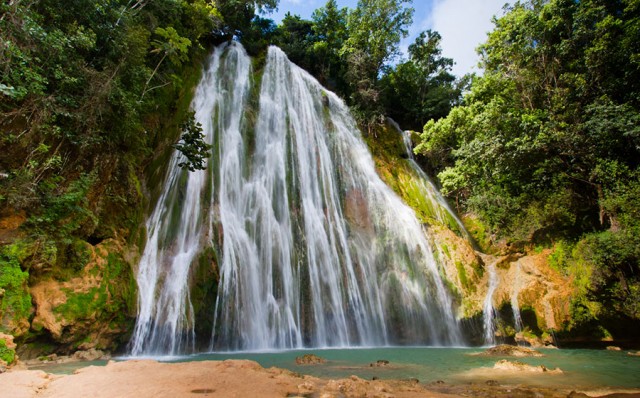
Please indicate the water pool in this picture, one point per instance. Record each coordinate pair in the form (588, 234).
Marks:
(582, 368)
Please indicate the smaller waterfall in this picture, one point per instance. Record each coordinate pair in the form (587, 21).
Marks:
(488, 311)
(441, 209)
(515, 307)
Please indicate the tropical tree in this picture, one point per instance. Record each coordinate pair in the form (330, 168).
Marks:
(375, 28)
(330, 31)
(422, 87)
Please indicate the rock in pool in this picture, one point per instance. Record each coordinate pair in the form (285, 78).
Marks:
(515, 366)
(310, 359)
(505, 350)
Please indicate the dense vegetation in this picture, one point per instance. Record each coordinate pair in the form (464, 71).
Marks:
(545, 148)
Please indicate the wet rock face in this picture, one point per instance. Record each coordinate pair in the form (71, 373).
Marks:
(526, 282)
(356, 211)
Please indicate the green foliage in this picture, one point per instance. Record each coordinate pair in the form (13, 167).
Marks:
(558, 259)
(330, 30)
(531, 147)
(192, 145)
(421, 88)
(375, 28)
(64, 210)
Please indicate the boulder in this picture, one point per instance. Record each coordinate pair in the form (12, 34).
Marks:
(90, 355)
(505, 350)
(310, 359)
(515, 366)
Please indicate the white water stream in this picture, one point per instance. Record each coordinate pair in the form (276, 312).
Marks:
(515, 306)
(488, 310)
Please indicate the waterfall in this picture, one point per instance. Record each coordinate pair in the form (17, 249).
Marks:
(441, 209)
(515, 306)
(313, 249)
(488, 311)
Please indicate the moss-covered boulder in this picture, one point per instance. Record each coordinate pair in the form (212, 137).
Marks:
(94, 309)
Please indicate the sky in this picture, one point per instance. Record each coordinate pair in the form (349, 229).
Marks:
(463, 24)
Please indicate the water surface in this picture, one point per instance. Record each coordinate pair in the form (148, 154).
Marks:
(582, 368)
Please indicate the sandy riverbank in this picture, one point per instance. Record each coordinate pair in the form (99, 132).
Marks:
(235, 378)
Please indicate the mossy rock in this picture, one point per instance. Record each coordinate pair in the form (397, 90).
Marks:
(7, 354)
(93, 309)
(15, 300)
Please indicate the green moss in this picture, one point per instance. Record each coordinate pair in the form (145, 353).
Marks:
(478, 269)
(15, 300)
(462, 275)
(445, 249)
(389, 153)
(125, 292)
(112, 302)
(7, 354)
(204, 289)
(478, 231)
(82, 305)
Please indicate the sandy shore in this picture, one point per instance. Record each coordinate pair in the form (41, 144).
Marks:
(236, 378)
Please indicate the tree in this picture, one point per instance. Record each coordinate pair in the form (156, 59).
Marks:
(192, 145)
(546, 145)
(172, 46)
(375, 29)
(330, 30)
(238, 14)
(535, 126)
(294, 36)
(422, 87)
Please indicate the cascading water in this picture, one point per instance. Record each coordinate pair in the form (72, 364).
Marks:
(515, 306)
(313, 248)
(175, 230)
(441, 209)
(488, 311)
